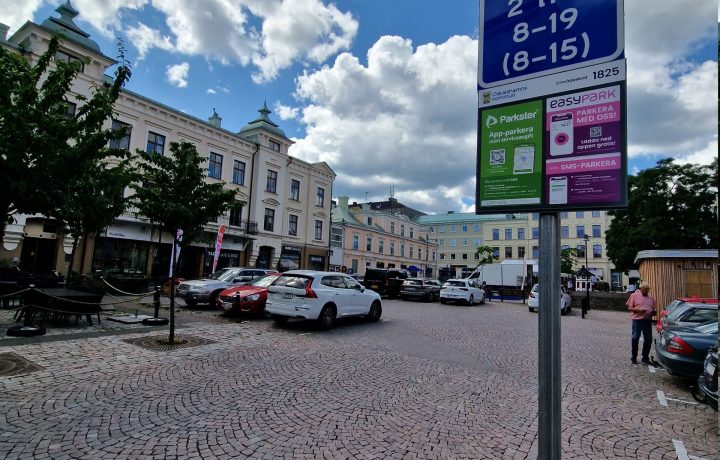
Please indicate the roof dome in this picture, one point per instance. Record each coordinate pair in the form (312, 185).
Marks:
(262, 122)
(65, 26)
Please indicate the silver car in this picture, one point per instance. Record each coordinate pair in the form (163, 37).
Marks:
(206, 290)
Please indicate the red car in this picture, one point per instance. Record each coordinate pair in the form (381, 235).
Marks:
(679, 301)
(247, 299)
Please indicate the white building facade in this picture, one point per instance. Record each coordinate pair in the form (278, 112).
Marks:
(285, 219)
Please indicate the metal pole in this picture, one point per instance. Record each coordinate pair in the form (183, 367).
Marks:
(549, 398)
(587, 284)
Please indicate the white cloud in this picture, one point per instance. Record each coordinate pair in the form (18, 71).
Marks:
(286, 112)
(210, 91)
(287, 31)
(177, 74)
(406, 119)
(16, 12)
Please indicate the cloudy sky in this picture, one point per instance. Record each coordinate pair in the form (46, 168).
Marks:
(385, 90)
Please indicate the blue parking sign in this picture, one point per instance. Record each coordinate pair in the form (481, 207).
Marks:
(522, 39)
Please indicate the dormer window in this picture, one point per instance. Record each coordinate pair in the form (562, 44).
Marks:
(68, 58)
(274, 145)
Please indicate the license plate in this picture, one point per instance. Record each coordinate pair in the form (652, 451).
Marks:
(227, 305)
(373, 286)
(288, 295)
(710, 369)
(410, 289)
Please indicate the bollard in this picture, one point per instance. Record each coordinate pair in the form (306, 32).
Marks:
(156, 300)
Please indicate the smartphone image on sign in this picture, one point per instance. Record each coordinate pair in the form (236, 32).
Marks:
(558, 190)
(524, 159)
(561, 134)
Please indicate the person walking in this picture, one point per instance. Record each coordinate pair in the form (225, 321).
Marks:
(642, 306)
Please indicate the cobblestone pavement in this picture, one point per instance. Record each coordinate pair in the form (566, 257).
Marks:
(428, 381)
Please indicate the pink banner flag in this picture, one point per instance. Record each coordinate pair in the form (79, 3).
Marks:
(218, 244)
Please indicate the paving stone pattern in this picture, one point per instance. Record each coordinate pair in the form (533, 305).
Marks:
(430, 381)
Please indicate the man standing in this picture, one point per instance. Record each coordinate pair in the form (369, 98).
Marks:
(642, 307)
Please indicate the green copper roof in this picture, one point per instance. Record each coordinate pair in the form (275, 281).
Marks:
(262, 122)
(65, 26)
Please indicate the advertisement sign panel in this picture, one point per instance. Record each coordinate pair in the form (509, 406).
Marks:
(583, 151)
(523, 39)
(511, 164)
(565, 152)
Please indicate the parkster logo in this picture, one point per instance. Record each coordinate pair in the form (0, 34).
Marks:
(491, 120)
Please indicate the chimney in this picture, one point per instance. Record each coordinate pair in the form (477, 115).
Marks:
(215, 119)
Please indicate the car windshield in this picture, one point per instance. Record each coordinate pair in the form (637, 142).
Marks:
(709, 328)
(413, 282)
(455, 283)
(263, 281)
(675, 314)
(293, 281)
(224, 274)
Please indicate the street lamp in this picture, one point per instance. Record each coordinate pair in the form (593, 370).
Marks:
(587, 275)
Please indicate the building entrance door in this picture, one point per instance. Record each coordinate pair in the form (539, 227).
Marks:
(38, 254)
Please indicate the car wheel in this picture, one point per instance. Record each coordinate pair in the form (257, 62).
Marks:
(264, 313)
(563, 311)
(326, 320)
(192, 303)
(471, 300)
(279, 319)
(213, 299)
(375, 311)
(530, 309)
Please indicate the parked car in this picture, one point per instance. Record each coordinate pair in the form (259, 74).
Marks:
(418, 288)
(676, 303)
(385, 281)
(247, 299)
(681, 350)
(708, 380)
(206, 290)
(534, 300)
(320, 296)
(462, 290)
(691, 314)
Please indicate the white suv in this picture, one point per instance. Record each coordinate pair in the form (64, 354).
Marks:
(321, 296)
(534, 300)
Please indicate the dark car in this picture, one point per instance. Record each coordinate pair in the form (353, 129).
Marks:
(385, 281)
(691, 314)
(418, 288)
(677, 303)
(708, 380)
(247, 299)
(682, 350)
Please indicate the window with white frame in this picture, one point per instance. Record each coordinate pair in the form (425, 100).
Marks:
(292, 225)
(295, 189)
(356, 242)
(215, 165)
(122, 143)
(274, 145)
(155, 143)
(271, 183)
(381, 246)
(320, 196)
(318, 230)
(392, 248)
(368, 244)
(238, 172)
(269, 222)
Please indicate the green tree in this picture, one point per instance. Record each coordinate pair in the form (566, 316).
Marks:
(568, 258)
(670, 206)
(174, 195)
(486, 255)
(45, 149)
